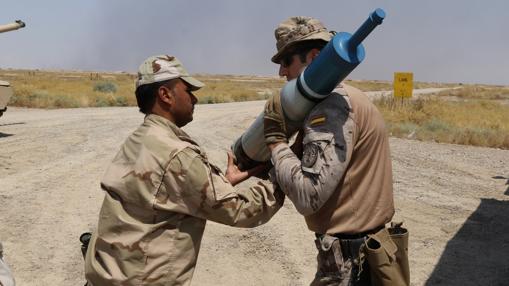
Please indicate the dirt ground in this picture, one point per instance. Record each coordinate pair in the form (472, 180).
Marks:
(453, 199)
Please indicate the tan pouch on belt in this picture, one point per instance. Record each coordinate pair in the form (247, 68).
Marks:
(387, 254)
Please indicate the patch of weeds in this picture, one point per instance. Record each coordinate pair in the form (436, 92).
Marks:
(105, 87)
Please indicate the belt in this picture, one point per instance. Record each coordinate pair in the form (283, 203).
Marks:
(356, 235)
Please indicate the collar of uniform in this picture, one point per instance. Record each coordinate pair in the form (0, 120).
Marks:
(159, 120)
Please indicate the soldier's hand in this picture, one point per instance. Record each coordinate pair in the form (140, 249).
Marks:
(274, 127)
(235, 176)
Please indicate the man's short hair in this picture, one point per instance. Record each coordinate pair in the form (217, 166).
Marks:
(146, 94)
(303, 48)
(157, 71)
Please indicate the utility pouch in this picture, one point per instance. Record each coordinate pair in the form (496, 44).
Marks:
(332, 265)
(387, 255)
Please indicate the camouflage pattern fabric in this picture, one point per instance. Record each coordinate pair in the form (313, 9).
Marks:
(298, 29)
(310, 182)
(162, 68)
(159, 191)
(343, 182)
(339, 262)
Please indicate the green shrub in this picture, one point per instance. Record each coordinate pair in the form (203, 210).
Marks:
(105, 87)
(121, 100)
(63, 101)
(102, 102)
(207, 99)
(402, 129)
(436, 125)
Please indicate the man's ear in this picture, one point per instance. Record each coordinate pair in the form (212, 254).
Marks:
(312, 54)
(166, 95)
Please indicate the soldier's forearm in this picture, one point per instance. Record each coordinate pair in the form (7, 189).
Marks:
(307, 191)
(251, 207)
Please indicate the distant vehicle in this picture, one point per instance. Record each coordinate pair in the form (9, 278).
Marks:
(5, 87)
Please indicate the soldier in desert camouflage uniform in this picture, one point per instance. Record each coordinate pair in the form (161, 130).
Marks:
(342, 184)
(160, 189)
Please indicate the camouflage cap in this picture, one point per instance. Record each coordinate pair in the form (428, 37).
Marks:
(298, 29)
(162, 68)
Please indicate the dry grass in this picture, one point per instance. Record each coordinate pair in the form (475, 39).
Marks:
(465, 121)
(46, 89)
(475, 122)
(237, 88)
(478, 92)
(378, 85)
(53, 89)
(68, 89)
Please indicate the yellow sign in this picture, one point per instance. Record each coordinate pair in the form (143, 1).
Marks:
(403, 84)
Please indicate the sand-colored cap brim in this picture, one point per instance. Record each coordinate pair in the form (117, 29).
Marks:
(323, 35)
(194, 83)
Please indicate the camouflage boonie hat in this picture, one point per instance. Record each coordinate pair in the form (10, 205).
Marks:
(162, 68)
(298, 29)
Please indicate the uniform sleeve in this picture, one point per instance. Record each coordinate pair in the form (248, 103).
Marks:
(310, 182)
(194, 186)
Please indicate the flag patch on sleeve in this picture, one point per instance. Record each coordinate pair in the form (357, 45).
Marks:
(318, 120)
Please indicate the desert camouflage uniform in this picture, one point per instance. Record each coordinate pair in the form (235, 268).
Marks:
(6, 278)
(343, 184)
(159, 191)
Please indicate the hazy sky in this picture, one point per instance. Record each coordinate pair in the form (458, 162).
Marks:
(441, 41)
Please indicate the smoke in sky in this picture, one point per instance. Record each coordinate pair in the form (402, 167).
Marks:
(440, 41)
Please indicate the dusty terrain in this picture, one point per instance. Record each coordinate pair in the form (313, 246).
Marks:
(452, 198)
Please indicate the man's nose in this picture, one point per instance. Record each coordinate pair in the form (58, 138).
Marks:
(283, 71)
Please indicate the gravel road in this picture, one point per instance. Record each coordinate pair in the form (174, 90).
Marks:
(453, 199)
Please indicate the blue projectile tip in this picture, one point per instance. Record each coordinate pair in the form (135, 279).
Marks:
(378, 16)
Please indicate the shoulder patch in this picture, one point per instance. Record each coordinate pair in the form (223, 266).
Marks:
(310, 155)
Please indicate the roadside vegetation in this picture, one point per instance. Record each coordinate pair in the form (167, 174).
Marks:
(380, 85)
(69, 89)
(477, 122)
(483, 92)
(468, 114)
(231, 88)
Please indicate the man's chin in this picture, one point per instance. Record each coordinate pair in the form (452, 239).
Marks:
(186, 122)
